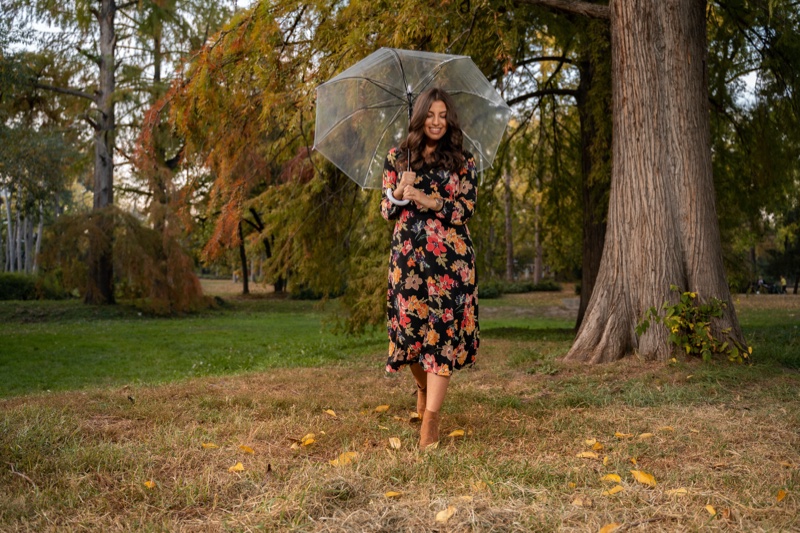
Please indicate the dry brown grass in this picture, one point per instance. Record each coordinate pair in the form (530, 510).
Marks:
(78, 461)
(228, 288)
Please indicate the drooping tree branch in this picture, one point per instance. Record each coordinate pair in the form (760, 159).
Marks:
(66, 90)
(543, 92)
(575, 7)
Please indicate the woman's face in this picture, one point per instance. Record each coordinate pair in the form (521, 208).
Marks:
(436, 121)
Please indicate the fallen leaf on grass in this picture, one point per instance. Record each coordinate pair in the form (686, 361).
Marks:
(613, 490)
(781, 495)
(611, 477)
(383, 428)
(456, 433)
(645, 435)
(247, 449)
(209, 445)
(330, 412)
(414, 417)
(571, 484)
(666, 428)
(443, 516)
(308, 439)
(623, 435)
(582, 501)
(381, 408)
(590, 442)
(587, 455)
(238, 467)
(480, 486)
(597, 446)
(678, 492)
(151, 485)
(605, 460)
(633, 460)
(608, 528)
(787, 464)
(711, 510)
(344, 459)
(393, 494)
(394, 443)
(643, 477)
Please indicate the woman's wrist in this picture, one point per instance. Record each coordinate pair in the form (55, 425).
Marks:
(398, 192)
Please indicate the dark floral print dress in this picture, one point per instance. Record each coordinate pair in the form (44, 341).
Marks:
(433, 294)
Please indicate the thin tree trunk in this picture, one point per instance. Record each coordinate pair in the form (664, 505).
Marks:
(662, 223)
(100, 288)
(18, 242)
(509, 228)
(243, 261)
(29, 246)
(39, 235)
(10, 232)
(537, 237)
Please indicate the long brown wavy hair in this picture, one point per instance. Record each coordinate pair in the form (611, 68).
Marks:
(448, 153)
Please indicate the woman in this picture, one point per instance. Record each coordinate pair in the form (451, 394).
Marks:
(433, 295)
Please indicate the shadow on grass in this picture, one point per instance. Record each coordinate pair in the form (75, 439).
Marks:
(528, 334)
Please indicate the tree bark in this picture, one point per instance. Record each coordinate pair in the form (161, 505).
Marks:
(662, 223)
(100, 289)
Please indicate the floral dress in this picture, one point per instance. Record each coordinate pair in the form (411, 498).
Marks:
(433, 294)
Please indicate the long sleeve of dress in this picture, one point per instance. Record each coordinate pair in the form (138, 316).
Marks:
(461, 204)
(389, 211)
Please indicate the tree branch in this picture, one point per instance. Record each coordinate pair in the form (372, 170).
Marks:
(543, 92)
(63, 90)
(575, 7)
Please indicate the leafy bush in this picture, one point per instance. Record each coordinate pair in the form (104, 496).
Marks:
(689, 325)
(15, 286)
(490, 290)
(496, 288)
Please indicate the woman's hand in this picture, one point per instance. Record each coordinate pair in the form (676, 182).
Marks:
(421, 199)
(407, 180)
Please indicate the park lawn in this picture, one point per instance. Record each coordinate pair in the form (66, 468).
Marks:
(728, 435)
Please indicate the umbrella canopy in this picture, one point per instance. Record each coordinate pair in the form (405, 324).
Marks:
(365, 111)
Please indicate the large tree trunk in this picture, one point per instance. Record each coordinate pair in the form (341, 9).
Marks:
(662, 223)
(100, 288)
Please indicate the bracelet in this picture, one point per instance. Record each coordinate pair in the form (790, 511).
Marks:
(392, 199)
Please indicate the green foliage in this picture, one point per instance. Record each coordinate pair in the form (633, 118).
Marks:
(689, 322)
(26, 287)
(496, 288)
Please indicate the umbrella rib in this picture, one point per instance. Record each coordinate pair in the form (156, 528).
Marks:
(383, 86)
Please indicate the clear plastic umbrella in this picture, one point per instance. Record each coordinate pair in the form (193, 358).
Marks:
(365, 110)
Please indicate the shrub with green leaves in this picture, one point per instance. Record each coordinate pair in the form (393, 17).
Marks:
(689, 325)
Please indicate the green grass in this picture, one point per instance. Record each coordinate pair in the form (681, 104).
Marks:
(61, 346)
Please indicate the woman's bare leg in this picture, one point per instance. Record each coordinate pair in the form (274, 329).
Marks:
(437, 388)
(420, 376)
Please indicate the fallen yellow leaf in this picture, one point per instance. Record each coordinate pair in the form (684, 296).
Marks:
(587, 455)
(456, 433)
(394, 443)
(611, 477)
(571, 484)
(711, 510)
(295, 446)
(623, 435)
(608, 528)
(209, 445)
(582, 501)
(308, 439)
(381, 408)
(414, 417)
(151, 485)
(344, 459)
(645, 435)
(633, 460)
(590, 442)
(605, 460)
(643, 477)
(781, 495)
(678, 492)
(443, 516)
(330, 412)
(613, 490)
(597, 446)
(787, 464)
(238, 467)
(247, 449)
(666, 428)
(393, 494)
